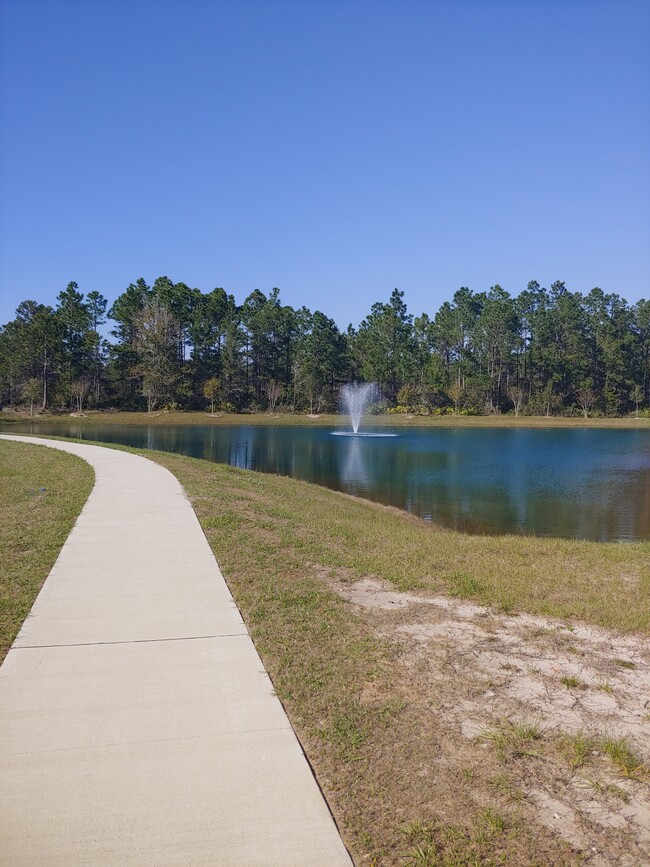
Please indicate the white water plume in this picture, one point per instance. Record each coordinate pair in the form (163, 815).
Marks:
(355, 397)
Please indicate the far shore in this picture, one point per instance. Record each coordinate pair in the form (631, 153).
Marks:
(164, 417)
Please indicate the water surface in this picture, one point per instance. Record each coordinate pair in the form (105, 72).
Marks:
(579, 483)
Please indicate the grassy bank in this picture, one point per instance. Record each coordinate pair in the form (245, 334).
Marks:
(406, 787)
(392, 421)
(41, 493)
(603, 584)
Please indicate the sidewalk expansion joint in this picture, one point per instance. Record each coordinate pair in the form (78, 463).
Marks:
(132, 641)
(113, 744)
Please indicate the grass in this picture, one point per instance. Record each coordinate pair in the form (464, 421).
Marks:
(579, 750)
(622, 756)
(464, 586)
(484, 845)
(41, 494)
(373, 740)
(513, 739)
(606, 584)
(625, 663)
(571, 681)
(604, 686)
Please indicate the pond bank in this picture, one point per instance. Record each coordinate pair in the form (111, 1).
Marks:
(325, 420)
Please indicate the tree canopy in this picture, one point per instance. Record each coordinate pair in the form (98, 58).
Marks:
(544, 351)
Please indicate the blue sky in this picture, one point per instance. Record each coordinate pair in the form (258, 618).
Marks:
(333, 148)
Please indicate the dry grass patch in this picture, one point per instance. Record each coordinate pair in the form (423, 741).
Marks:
(41, 493)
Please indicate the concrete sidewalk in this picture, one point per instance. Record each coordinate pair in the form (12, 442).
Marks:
(137, 723)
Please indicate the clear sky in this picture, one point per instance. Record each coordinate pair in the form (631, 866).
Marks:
(333, 148)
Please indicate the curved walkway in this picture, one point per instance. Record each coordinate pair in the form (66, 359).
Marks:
(137, 723)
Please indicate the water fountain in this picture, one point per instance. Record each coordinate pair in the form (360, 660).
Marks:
(355, 397)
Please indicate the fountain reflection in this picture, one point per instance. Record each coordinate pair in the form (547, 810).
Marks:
(354, 476)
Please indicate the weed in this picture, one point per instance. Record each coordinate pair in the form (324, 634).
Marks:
(512, 738)
(507, 605)
(527, 731)
(415, 831)
(605, 686)
(423, 857)
(617, 792)
(577, 749)
(453, 845)
(347, 732)
(625, 663)
(571, 681)
(390, 709)
(608, 789)
(621, 754)
(493, 821)
(508, 789)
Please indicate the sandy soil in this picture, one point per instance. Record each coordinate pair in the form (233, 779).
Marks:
(482, 672)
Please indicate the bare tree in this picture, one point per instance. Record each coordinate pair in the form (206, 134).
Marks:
(586, 396)
(273, 392)
(79, 390)
(517, 395)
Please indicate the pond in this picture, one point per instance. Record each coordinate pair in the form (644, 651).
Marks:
(579, 483)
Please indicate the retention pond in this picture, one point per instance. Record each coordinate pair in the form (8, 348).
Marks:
(580, 483)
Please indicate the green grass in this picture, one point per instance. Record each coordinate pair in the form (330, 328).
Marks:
(464, 586)
(577, 749)
(571, 681)
(476, 845)
(622, 756)
(604, 686)
(41, 493)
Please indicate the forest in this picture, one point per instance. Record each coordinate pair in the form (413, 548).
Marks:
(542, 352)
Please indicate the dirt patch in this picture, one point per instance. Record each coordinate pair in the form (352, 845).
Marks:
(552, 720)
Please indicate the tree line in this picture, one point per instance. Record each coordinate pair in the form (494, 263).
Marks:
(543, 352)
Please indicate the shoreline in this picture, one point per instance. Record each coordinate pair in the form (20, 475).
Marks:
(104, 417)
